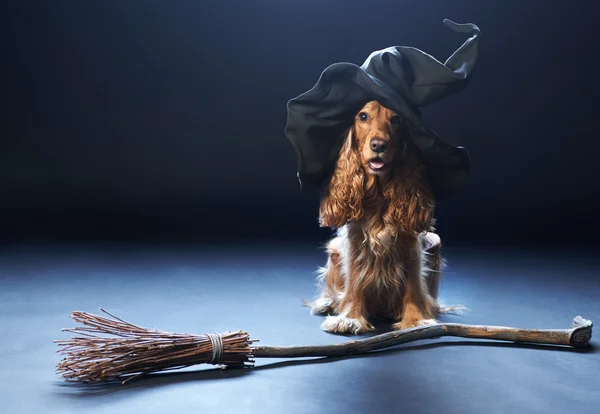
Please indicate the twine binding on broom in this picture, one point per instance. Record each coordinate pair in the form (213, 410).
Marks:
(217, 348)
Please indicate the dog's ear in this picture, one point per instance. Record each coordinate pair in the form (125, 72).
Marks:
(411, 200)
(342, 199)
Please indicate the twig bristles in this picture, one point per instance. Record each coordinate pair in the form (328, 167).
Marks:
(113, 349)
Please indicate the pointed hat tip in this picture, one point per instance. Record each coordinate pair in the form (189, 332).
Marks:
(462, 27)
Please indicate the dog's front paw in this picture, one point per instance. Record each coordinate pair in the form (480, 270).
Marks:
(342, 324)
(411, 323)
(414, 315)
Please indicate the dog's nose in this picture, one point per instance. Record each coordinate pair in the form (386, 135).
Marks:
(378, 145)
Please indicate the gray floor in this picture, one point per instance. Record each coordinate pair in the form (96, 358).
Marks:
(197, 290)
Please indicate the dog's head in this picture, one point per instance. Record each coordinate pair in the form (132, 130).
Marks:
(378, 166)
(380, 138)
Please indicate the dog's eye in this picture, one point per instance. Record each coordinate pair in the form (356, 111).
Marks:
(363, 116)
(396, 120)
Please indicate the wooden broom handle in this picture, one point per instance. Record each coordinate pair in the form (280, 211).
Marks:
(577, 336)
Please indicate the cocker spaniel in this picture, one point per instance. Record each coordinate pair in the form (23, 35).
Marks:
(385, 261)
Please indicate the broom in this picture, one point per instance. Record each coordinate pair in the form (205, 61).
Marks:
(110, 349)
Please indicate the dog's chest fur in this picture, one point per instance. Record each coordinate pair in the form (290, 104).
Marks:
(373, 261)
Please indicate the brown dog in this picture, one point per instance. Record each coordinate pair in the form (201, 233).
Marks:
(385, 261)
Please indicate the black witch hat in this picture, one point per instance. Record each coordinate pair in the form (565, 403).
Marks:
(402, 79)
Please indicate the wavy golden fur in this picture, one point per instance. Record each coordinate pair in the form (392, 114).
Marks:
(385, 259)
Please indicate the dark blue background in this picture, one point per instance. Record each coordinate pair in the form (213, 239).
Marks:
(157, 120)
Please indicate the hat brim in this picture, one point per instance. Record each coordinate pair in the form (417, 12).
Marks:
(317, 119)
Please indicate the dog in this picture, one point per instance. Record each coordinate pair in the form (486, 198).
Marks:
(385, 259)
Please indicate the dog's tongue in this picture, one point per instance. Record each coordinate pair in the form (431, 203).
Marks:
(377, 164)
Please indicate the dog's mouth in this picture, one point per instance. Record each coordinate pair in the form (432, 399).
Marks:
(378, 165)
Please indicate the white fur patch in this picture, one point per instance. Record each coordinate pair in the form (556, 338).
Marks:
(431, 240)
(408, 325)
(342, 324)
(321, 305)
(425, 322)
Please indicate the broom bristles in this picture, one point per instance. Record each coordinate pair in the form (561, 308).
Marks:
(113, 349)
